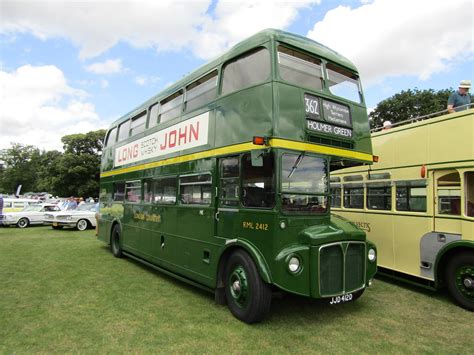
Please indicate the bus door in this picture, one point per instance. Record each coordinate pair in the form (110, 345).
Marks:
(447, 203)
(246, 204)
(195, 226)
(228, 204)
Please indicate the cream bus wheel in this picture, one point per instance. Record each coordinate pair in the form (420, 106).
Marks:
(460, 279)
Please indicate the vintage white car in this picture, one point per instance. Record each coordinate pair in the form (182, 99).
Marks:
(82, 217)
(32, 214)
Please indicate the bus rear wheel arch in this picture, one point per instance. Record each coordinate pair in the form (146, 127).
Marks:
(248, 296)
(459, 279)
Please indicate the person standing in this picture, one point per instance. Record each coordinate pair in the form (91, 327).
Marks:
(458, 100)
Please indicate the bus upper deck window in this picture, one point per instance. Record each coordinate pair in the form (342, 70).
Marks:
(248, 70)
(154, 112)
(300, 69)
(123, 130)
(171, 106)
(343, 83)
(202, 91)
(110, 140)
(138, 124)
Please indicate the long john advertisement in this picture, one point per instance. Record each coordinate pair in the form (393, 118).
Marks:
(184, 135)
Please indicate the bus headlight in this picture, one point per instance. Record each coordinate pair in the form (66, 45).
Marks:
(372, 255)
(294, 264)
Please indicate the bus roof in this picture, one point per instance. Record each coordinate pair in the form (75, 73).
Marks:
(444, 139)
(259, 38)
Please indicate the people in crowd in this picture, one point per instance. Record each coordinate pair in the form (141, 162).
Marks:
(460, 99)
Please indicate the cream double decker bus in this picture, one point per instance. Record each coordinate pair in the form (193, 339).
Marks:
(417, 202)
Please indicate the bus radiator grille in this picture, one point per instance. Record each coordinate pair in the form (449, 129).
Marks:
(341, 268)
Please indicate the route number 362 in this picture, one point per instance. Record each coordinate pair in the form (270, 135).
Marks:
(311, 106)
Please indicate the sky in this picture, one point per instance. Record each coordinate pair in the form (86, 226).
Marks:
(76, 66)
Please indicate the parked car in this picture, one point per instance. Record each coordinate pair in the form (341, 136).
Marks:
(32, 214)
(82, 217)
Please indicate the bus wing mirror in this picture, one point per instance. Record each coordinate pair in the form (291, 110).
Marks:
(257, 158)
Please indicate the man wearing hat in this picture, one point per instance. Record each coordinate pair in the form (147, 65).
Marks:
(461, 97)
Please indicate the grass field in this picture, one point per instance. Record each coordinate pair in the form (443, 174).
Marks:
(63, 291)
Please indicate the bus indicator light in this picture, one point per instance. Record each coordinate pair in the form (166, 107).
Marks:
(259, 140)
(423, 171)
(375, 158)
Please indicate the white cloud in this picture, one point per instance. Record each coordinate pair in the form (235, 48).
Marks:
(96, 26)
(395, 38)
(110, 66)
(236, 20)
(38, 107)
(104, 84)
(143, 80)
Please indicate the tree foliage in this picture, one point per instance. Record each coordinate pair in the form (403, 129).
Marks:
(409, 104)
(72, 173)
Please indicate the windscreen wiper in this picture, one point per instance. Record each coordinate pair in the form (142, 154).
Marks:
(297, 162)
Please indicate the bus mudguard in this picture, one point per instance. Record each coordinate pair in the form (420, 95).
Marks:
(258, 258)
(444, 254)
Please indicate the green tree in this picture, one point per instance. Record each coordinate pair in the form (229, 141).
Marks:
(78, 169)
(409, 104)
(21, 163)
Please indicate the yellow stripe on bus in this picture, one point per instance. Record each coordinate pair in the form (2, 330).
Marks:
(238, 148)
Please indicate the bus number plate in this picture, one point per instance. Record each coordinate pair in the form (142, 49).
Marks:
(341, 299)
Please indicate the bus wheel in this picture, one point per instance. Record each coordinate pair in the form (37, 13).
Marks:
(460, 280)
(81, 225)
(115, 242)
(23, 223)
(248, 297)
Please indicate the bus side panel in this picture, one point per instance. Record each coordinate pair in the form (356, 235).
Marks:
(409, 232)
(243, 115)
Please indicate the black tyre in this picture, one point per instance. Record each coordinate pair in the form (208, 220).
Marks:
(82, 224)
(23, 222)
(115, 242)
(248, 297)
(460, 279)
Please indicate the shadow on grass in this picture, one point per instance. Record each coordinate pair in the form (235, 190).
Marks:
(440, 294)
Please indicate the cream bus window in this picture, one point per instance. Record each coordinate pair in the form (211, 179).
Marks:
(379, 197)
(354, 196)
(469, 183)
(449, 194)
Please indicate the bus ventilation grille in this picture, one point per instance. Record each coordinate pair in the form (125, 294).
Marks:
(331, 142)
(341, 268)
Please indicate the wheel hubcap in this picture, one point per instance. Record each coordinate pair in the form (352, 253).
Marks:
(465, 281)
(238, 285)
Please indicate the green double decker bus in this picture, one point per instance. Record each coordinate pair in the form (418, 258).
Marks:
(222, 179)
